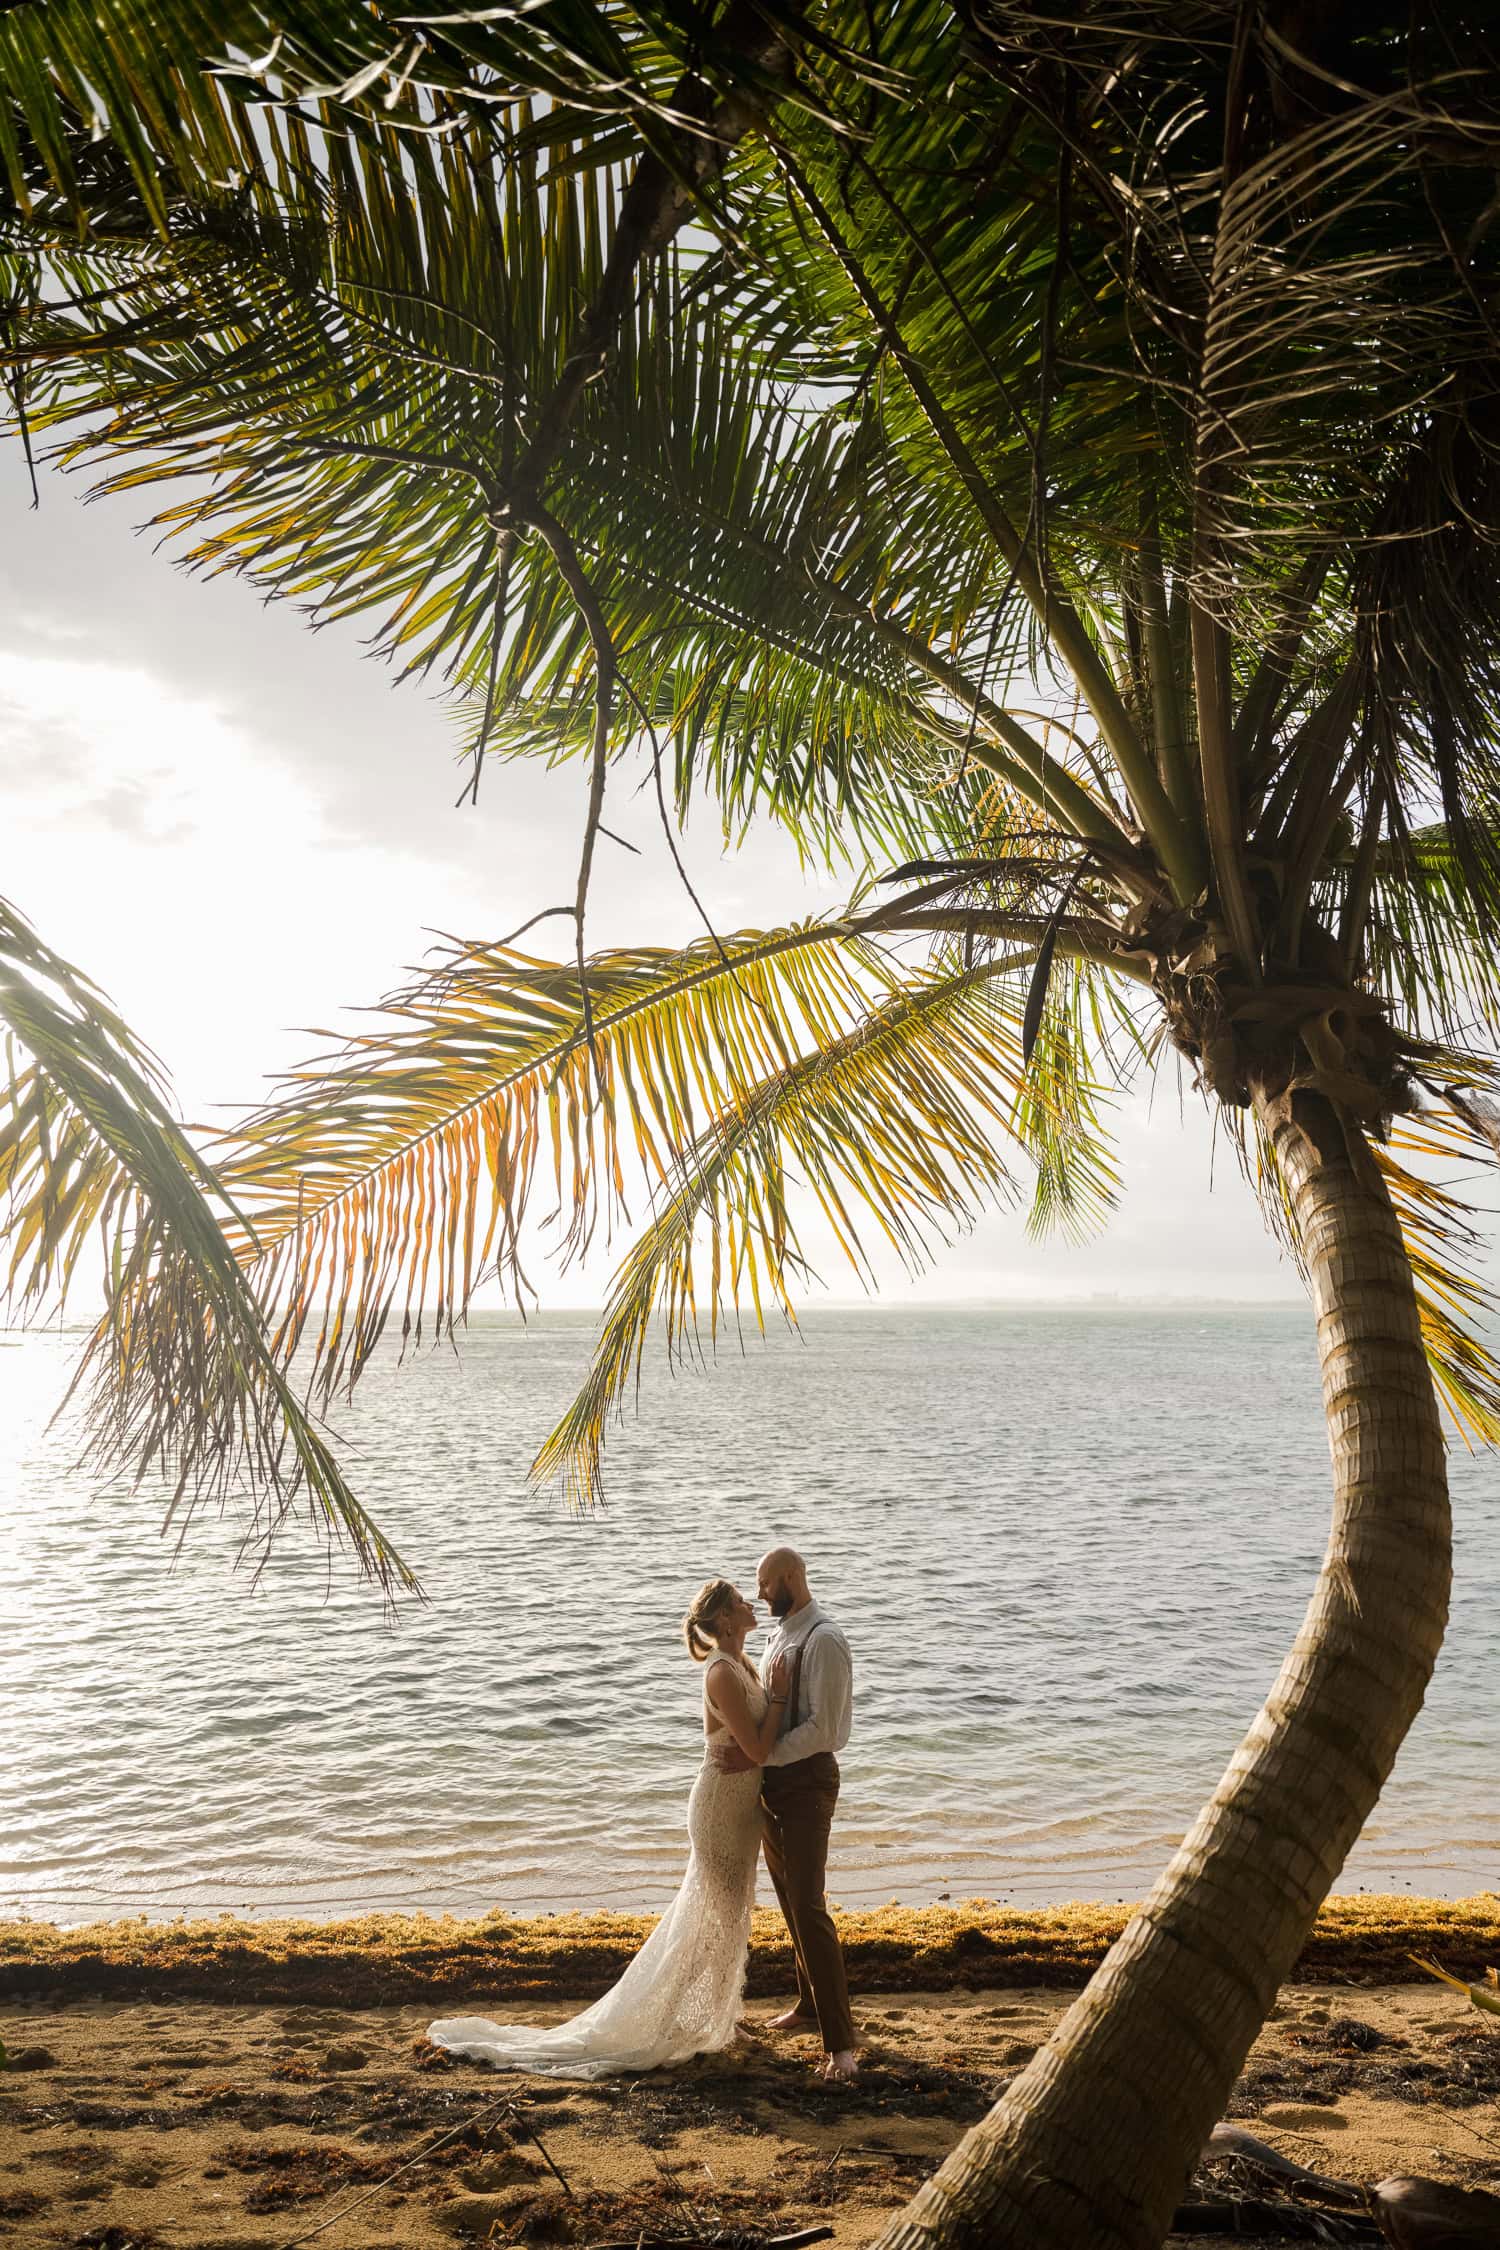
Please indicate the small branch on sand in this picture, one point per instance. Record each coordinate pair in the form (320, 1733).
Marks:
(540, 2145)
(506, 2101)
(748, 2242)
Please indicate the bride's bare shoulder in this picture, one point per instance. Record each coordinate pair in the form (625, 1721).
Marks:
(727, 1675)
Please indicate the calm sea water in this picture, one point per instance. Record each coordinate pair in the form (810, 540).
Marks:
(1069, 1547)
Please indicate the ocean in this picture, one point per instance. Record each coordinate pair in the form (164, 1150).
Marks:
(1068, 1545)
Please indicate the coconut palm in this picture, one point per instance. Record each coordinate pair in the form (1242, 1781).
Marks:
(1049, 466)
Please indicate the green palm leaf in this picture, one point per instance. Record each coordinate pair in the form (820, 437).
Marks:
(1457, 1305)
(394, 1175)
(894, 1124)
(903, 423)
(1058, 1117)
(389, 1177)
(90, 1151)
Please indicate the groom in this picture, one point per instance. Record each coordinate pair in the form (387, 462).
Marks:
(799, 1788)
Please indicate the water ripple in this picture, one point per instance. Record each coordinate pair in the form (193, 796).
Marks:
(1070, 1548)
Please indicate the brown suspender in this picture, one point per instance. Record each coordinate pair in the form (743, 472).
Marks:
(796, 1686)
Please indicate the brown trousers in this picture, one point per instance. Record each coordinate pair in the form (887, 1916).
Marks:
(799, 1801)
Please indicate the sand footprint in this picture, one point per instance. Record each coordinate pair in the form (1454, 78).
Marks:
(504, 2169)
(477, 2216)
(1298, 2117)
(137, 2176)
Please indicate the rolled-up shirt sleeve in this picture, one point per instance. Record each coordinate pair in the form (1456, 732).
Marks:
(827, 1696)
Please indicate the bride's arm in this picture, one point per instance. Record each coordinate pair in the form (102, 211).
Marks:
(729, 1694)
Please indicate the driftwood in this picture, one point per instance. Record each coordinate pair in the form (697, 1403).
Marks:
(1285, 2202)
(507, 2102)
(1233, 2140)
(1427, 2215)
(1254, 2189)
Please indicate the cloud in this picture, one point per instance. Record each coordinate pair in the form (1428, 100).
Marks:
(223, 885)
(191, 870)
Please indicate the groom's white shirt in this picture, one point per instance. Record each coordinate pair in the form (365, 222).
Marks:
(825, 1692)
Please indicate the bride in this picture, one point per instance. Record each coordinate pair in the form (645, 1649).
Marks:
(682, 1993)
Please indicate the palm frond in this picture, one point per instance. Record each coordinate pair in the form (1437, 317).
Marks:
(345, 378)
(1058, 1119)
(388, 1178)
(1457, 1306)
(90, 1152)
(1046, 436)
(892, 1125)
(73, 73)
(1429, 935)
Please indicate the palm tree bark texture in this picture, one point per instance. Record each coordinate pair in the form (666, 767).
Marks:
(1072, 2153)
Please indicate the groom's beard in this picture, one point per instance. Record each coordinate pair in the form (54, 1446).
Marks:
(780, 1605)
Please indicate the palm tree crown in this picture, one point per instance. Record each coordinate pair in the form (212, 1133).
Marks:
(1062, 461)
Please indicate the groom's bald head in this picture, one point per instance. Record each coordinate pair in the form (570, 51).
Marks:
(781, 1581)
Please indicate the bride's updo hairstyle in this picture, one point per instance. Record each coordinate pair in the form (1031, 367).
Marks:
(697, 1626)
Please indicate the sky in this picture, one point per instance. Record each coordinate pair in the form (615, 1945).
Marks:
(241, 827)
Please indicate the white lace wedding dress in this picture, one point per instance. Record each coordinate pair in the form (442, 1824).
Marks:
(682, 1993)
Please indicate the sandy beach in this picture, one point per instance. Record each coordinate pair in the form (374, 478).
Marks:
(143, 2110)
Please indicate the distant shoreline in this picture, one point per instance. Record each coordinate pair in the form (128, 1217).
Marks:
(888, 1305)
(374, 1959)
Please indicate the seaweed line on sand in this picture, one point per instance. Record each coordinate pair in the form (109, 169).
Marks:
(974, 1944)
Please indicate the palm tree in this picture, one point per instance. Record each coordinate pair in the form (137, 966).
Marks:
(1057, 457)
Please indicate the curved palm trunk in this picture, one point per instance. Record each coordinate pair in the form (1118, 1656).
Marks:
(1093, 2143)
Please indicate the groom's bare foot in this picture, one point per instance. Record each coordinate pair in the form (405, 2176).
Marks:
(844, 2065)
(791, 2019)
